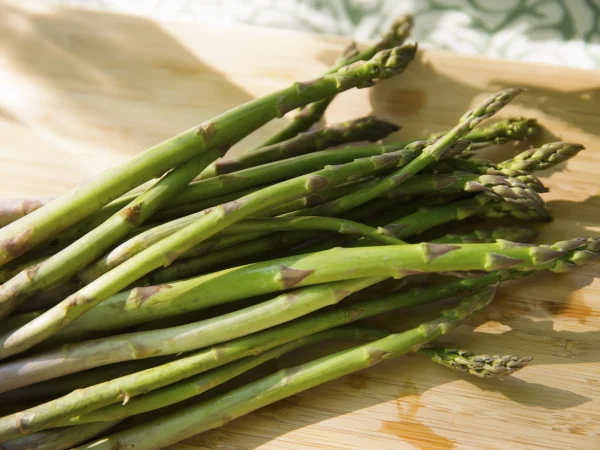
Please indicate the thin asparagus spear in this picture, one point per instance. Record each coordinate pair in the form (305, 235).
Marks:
(445, 183)
(64, 438)
(429, 155)
(70, 260)
(331, 265)
(514, 129)
(167, 250)
(194, 386)
(526, 162)
(174, 427)
(219, 133)
(312, 113)
(482, 366)
(542, 158)
(363, 129)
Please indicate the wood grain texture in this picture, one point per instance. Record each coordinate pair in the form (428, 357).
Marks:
(83, 90)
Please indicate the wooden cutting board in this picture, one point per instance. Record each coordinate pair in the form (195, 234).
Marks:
(83, 90)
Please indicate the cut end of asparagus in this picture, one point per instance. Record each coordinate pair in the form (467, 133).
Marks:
(482, 366)
(542, 158)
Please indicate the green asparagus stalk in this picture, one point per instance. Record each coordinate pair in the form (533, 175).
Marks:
(363, 129)
(167, 250)
(447, 183)
(174, 427)
(70, 260)
(526, 162)
(332, 265)
(65, 438)
(218, 133)
(514, 129)
(429, 155)
(312, 113)
(542, 158)
(193, 386)
(482, 366)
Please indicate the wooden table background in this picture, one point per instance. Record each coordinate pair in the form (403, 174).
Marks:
(83, 90)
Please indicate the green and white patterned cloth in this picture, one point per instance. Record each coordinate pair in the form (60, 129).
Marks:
(560, 32)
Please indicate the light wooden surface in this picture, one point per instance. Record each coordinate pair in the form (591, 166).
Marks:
(82, 90)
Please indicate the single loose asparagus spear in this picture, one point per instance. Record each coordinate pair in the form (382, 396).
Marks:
(193, 386)
(363, 129)
(429, 155)
(514, 129)
(542, 158)
(331, 265)
(218, 133)
(482, 366)
(174, 427)
(167, 250)
(312, 113)
(526, 162)
(70, 260)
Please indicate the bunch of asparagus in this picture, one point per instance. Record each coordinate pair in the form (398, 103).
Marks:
(105, 322)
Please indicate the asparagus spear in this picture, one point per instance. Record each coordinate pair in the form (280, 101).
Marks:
(186, 422)
(513, 129)
(369, 262)
(218, 133)
(482, 366)
(363, 129)
(166, 251)
(70, 260)
(194, 386)
(429, 155)
(542, 158)
(312, 113)
(526, 162)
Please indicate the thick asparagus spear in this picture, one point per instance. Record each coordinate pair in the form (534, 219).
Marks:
(174, 427)
(219, 133)
(70, 260)
(482, 366)
(194, 386)
(429, 155)
(167, 250)
(363, 129)
(382, 262)
(312, 113)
